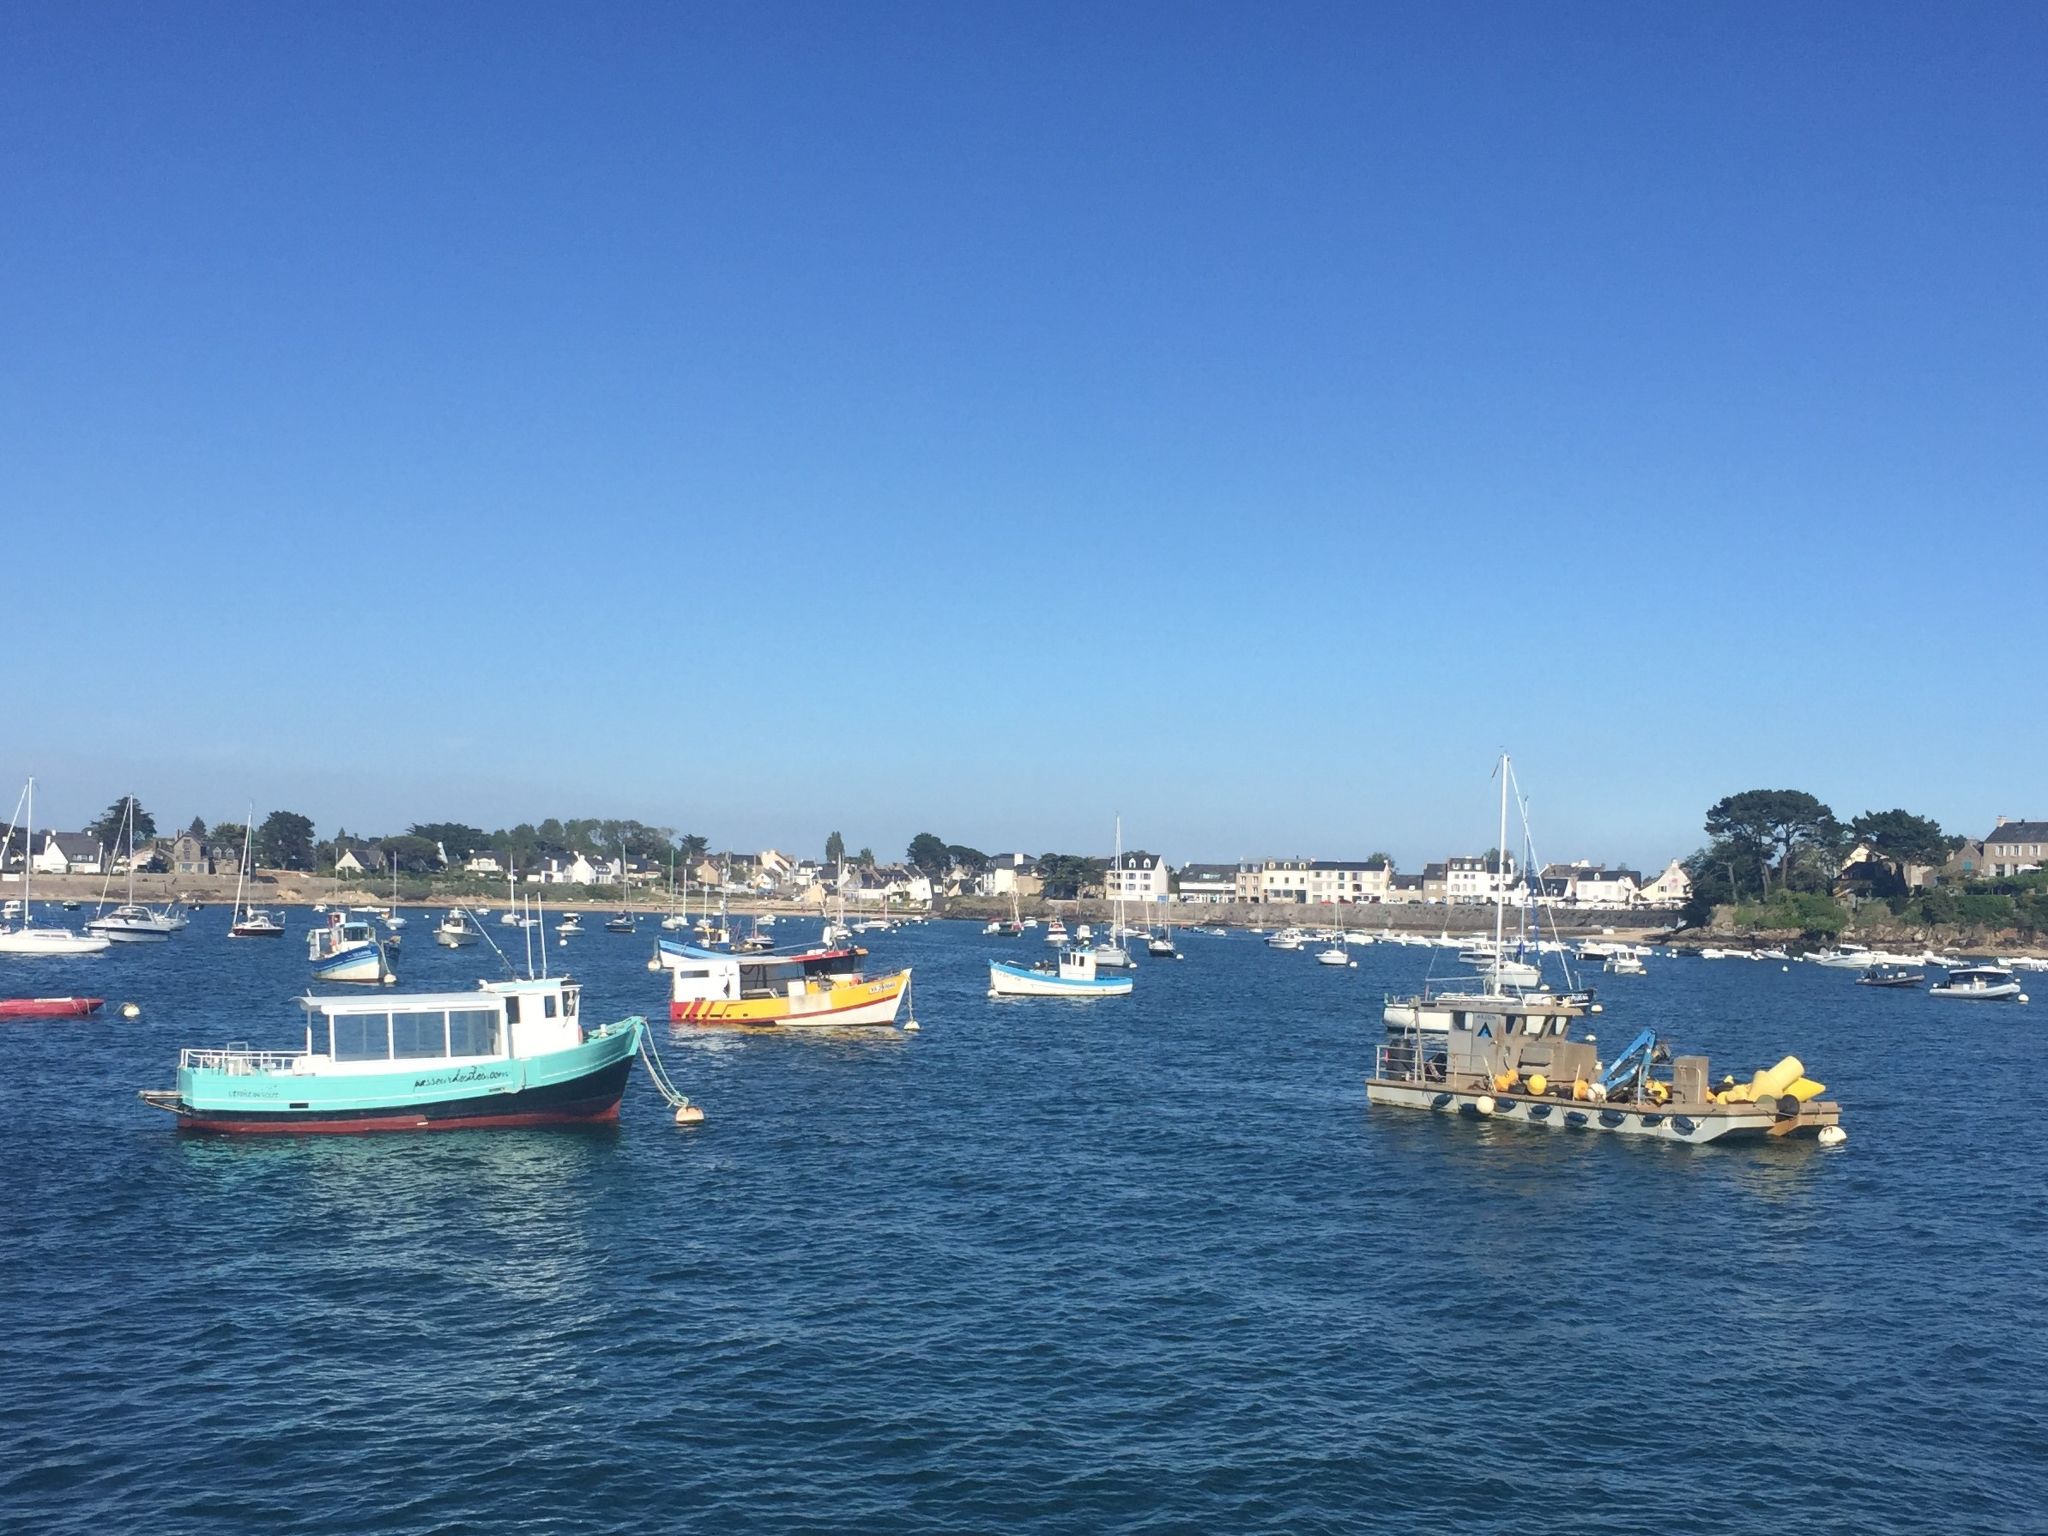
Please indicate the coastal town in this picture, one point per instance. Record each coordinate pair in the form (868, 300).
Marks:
(593, 860)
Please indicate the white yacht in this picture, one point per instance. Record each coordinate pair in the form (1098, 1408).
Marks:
(1981, 983)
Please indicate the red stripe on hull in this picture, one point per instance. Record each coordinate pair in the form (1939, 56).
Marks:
(380, 1123)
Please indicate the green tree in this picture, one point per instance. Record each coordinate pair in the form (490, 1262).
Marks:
(1782, 832)
(1900, 838)
(927, 854)
(229, 835)
(1383, 861)
(285, 841)
(835, 849)
(973, 860)
(1070, 875)
(865, 858)
(112, 828)
(415, 855)
(196, 829)
(692, 846)
(459, 839)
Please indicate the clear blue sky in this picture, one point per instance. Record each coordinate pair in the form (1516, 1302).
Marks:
(772, 418)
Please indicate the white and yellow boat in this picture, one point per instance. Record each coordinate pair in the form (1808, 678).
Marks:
(814, 988)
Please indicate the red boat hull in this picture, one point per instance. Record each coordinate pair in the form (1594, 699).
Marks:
(49, 1007)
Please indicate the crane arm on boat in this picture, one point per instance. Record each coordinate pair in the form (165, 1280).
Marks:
(1633, 1064)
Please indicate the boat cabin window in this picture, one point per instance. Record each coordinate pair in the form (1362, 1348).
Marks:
(317, 1035)
(511, 1008)
(547, 1005)
(419, 1034)
(473, 1031)
(362, 1036)
(569, 1002)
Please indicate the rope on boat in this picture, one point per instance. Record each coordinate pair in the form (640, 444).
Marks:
(657, 1073)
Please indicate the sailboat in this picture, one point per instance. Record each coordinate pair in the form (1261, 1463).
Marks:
(131, 923)
(27, 939)
(836, 931)
(676, 921)
(251, 922)
(623, 922)
(1014, 928)
(394, 918)
(1161, 943)
(1503, 979)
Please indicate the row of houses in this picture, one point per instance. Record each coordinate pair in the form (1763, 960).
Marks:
(81, 853)
(1143, 878)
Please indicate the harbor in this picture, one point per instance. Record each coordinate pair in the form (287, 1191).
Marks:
(1041, 1202)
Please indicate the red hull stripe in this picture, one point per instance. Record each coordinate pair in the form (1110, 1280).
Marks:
(362, 1126)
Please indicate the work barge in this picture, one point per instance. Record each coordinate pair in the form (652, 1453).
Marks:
(1514, 1059)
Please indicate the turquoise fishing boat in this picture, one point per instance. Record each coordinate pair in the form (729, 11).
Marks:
(512, 1053)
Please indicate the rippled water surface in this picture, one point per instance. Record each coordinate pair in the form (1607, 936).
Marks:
(1139, 1265)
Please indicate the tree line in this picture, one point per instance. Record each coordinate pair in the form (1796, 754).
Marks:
(1787, 847)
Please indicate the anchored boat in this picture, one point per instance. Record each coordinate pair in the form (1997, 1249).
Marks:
(823, 987)
(458, 930)
(512, 1053)
(1515, 1060)
(49, 1007)
(347, 949)
(1073, 976)
(1980, 983)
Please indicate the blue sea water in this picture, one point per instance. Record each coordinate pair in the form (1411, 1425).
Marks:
(1147, 1265)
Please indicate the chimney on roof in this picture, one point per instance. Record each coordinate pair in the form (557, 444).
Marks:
(2002, 820)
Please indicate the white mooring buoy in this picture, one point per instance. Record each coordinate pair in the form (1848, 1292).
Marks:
(689, 1114)
(1832, 1136)
(131, 1010)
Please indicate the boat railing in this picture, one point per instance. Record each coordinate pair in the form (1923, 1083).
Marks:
(236, 1061)
(1407, 1057)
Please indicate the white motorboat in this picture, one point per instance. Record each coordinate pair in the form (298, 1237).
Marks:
(1056, 932)
(1287, 938)
(458, 930)
(347, 949)
(131, 922)
(1845, 957)
(568, 925)
(1981, 983)
(1624, 962)
(28, 939)
(1335, 954)
(1072, 977)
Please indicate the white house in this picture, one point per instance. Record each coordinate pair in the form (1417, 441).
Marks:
(482, 863)
(1314, 881)
(359, 859)
(1672, 888)
(1208, 884)
(1139, 877)
(1475, 879)
(70, 853)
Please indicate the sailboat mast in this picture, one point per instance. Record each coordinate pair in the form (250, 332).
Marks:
(1500, 884)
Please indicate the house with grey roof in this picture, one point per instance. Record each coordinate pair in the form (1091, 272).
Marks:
(1211, 884)
(70, 853)
(2015, 847)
